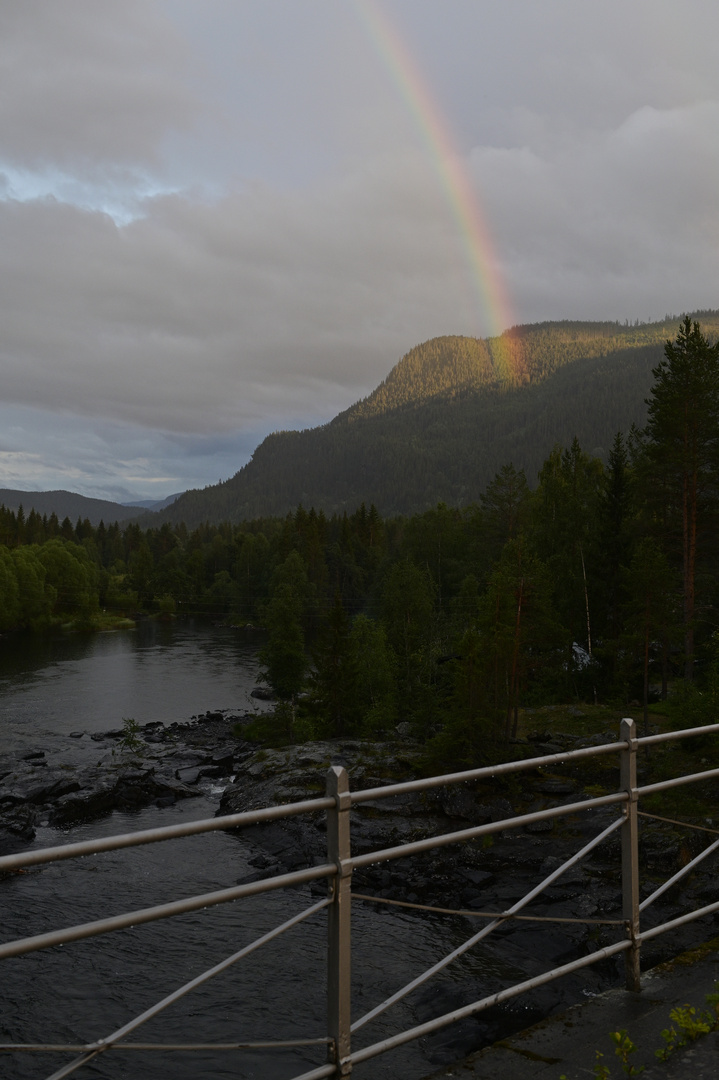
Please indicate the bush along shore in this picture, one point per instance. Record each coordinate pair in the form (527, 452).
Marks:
(154, 764)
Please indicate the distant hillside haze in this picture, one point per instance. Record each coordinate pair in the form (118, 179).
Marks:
(70, 504)
(67, 504)
(154, 504)
(448, 416)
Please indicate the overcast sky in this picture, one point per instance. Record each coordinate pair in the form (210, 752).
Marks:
(223, 217)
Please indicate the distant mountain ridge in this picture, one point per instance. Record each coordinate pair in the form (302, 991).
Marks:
(70, 504)
(154, 504)
(521, 356)
(447, 417)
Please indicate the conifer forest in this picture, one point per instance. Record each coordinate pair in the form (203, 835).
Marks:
(593, 581)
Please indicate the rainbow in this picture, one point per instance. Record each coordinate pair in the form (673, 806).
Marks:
(435, 132)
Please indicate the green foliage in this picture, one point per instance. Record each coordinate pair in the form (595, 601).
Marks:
(166, 606)
(9, 592)
(118, 596)
(332, 697)
(649, 609)
(712, 999)
(36, 597)
(522, 635)
(690, 1024)
(283, 655)
(506, 505)
(692, 705)
(565, 529)
(601, 1072)
(374, 687)
(71, 576)
(678, 454)
(447, 419)
(471, 729)
(130, 741)
(408, 616)
(624, 1048)
(453, 619)
(276, 728)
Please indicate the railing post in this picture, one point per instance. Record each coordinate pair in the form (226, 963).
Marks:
(339, 930)
(630, 852)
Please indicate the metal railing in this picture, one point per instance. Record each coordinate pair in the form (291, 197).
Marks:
(338, 870)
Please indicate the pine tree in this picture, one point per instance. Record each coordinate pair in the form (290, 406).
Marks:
(333, 697)
(649, 611)
(615, 536)
(505, 504)
(565, 529)
(681, 453)
(283, 655)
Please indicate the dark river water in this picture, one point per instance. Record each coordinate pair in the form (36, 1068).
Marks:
(82, 991)
(50, 687)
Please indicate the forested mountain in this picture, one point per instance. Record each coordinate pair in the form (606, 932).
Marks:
(449, 366)
(66, 504)
(449, 415)
(602, 583)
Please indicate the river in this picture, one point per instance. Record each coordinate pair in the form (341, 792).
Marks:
(52, 689)
(53, 686)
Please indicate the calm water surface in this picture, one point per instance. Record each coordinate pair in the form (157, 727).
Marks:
(85, 990)
(50, 687)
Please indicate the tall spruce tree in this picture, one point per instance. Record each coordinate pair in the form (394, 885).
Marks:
(283, 655)
(681, 454)
(649, 609)
(615, 532)
(565, 530)
(333, 683)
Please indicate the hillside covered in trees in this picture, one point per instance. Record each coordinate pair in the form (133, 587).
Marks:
(601, 584)
(449, 415)
(66, 504)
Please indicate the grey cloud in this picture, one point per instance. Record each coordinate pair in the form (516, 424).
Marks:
(45, 450)
(200, 315)
(543, 74)
(309, 242)
(90, 85)
(620, 224)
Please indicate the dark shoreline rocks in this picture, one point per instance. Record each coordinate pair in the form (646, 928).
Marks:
(181, 760)
(158, 765)
(479, 876)
(483, 875)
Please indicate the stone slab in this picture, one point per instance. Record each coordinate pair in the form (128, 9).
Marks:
(565, 1045)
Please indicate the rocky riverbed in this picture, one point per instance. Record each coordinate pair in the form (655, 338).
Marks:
(157, 764)
(121, 769)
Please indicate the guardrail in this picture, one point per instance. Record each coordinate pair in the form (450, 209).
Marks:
(338, 869)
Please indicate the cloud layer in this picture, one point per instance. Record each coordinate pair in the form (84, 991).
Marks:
(220, 220)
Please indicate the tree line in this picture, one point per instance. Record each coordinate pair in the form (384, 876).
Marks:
(599, 584)
(448, 416)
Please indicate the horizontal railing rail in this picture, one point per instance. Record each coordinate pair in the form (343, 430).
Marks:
(338, 870)
(167, 832)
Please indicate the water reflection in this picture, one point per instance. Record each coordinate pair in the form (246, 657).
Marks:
(51, 686)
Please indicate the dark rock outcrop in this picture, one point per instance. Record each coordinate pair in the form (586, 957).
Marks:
(156, 765)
